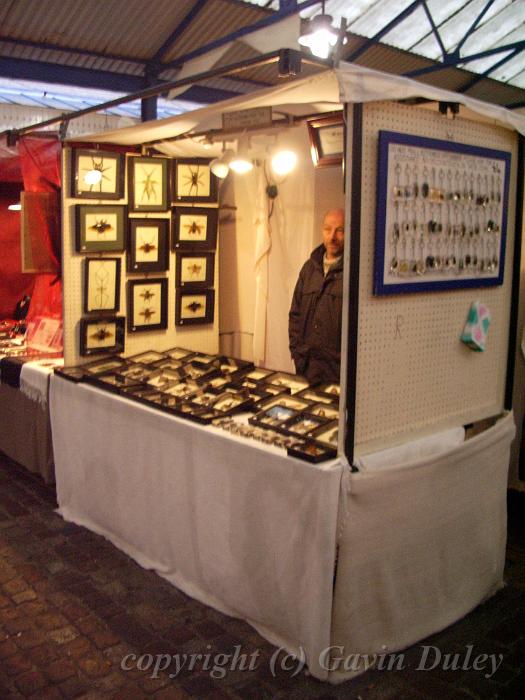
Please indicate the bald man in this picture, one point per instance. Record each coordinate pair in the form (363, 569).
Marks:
(314, 321)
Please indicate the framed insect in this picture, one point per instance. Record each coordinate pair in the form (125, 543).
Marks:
(194, 307)
(194, 181)
(194, 270)
(97, 174)
(101, 285)
(148, 180)
(147, 304)
(100, 228)
(148, 245)
(194, 228)
(101, 335)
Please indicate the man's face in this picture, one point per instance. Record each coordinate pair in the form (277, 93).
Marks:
(334, 233)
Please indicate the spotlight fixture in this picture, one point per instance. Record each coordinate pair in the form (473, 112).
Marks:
(283, 162)
(241, 162)
(15, 207)
(220, 167)
(319, 35)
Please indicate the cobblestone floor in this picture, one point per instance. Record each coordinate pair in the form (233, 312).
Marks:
(72, 608)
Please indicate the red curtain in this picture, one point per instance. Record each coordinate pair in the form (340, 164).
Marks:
(41, 168)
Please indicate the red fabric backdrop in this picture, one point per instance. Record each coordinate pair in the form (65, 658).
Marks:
(40, 165)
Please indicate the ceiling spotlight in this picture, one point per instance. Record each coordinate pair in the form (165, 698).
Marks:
(283, 162)
(220, 167)
(241, 162)
(319, 35)
(93, 176)
(15, 207)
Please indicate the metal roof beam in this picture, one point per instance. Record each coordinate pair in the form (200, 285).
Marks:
(381, 33)
(451, 61)
(66, 49)
(434, 29)
(487, 72)
(473, 26)
(283, 12)
(24, 69)
(183, 24)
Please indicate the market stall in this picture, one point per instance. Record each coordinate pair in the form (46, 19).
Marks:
(430, 224)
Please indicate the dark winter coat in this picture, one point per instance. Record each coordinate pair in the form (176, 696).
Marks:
(314, 322)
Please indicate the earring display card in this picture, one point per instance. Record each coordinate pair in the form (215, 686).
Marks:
(194, 228)
(97, 174)
(194, 307)
(147, 304)
(148, 245)
(148, 183)
(102, 335)
(101, 285)
(441, 214)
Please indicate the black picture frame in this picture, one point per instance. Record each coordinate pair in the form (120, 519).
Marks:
(151, 308)
(194, 228)
(148, 245)
(100, 228)
(109, 164)
(193, 181)
(194, 307)
(195, 270)
(101, 335)
(102, 285)
(441, 215)
(327, 140)
(148, 183)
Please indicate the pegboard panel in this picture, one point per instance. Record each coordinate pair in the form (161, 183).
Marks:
(414, 375)
(204, 338)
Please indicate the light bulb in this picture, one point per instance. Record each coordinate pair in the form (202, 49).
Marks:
(283, 162)
(241, 165)
(93, 177)
(220, 167)
(320, 36)
(15, 207)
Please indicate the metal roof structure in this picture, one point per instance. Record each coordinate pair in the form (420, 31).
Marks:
(124, 46)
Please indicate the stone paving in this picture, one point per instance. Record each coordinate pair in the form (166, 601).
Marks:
(75, 613)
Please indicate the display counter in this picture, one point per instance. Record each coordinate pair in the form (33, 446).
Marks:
(236, 524)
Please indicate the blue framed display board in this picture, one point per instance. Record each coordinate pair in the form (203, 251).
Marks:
(441, 215)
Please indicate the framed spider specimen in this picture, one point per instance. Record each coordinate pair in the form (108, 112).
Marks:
(194, 228)
(100, 228)
(147, 304)
(194, 270)
(148, 180)
(194, 181)
(194, 307)
(101, 285)
(97, 174)
(148, 245)
(101, 335)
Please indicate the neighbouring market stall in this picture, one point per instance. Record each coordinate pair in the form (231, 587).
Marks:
(239, 524)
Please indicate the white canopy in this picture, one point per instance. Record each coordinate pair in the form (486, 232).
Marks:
(321, 92)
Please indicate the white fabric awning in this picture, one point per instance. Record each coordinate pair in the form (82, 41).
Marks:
(321, 92)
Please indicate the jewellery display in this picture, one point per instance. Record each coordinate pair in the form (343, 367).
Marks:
(97, 174)
(441, 214)
(163, 378)
(328, 434)
(147, 304)
(179, 354)
(100, 228)
(292, 381)
(284, 400)
(305, 423)
(147, 358)
(148, 245)
(148, 180)
(311, 451)
(325, 411)
(101, 284)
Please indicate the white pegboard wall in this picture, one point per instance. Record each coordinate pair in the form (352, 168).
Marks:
(414, 375)
(204, 338)
(18, 116)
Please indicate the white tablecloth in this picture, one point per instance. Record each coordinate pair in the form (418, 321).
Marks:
(236, 525)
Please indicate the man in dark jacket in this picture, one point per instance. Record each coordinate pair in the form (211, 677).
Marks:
(314, 322)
